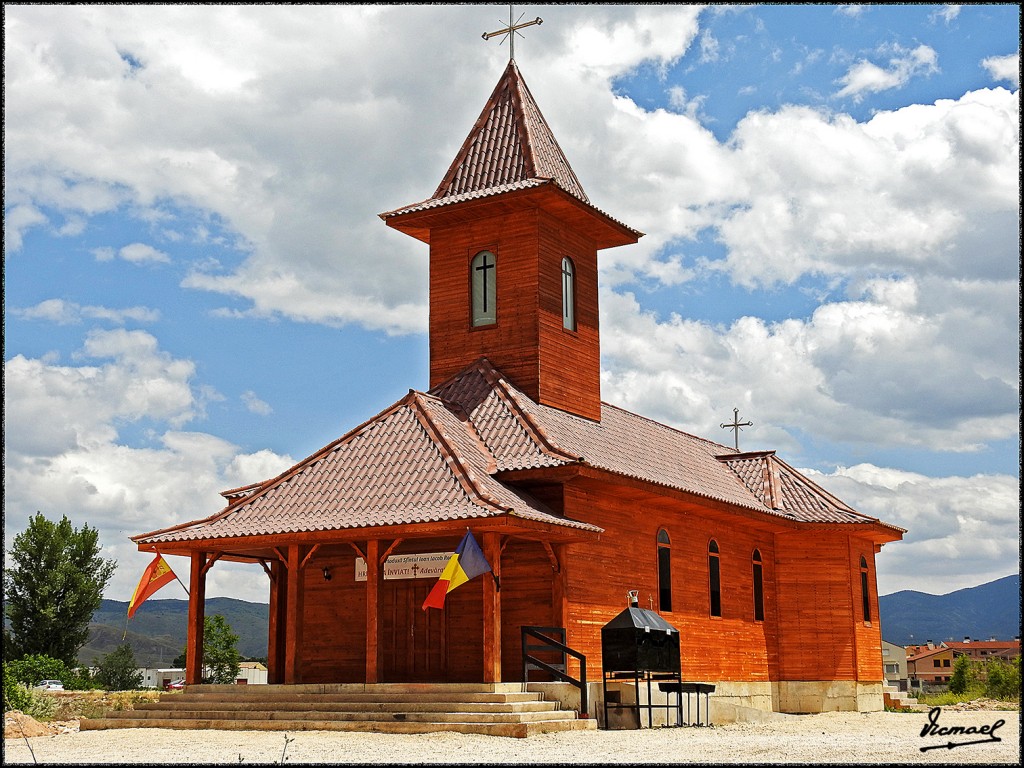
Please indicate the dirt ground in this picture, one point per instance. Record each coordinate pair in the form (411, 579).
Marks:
(837, 738)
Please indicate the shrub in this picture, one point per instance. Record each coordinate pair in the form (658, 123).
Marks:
(16, 695)
(29, 670)
(964, 674)
(1002, 679)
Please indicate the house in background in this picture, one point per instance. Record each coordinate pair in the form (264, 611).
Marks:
(983, 650)
(251, 673)
(894, 665)
(929, 665)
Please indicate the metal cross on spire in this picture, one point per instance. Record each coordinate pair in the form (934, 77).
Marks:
(511, 31)
(737, 425)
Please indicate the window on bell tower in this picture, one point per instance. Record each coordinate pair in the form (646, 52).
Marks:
(483, 279)
(568, 294)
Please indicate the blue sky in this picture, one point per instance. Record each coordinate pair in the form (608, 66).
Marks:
(198, 291)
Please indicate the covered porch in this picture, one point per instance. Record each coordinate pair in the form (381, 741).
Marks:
(341, 613)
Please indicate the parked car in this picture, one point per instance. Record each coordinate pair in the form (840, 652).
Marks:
(50, 685)
(177, 685)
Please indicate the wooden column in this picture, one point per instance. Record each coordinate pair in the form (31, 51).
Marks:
(196, 620)
(274, 643)
(492, 610)
(293, 616)
(560, 598)
(373, 574)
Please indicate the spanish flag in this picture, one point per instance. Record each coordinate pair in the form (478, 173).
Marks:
(467, 563)
(157, 574)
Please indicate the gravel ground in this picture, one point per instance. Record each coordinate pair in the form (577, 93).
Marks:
(866, 738)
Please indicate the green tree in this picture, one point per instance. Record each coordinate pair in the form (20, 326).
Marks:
(1002, 680)
(220, 652)
(53, 584)
(964, 675)
(118, 670)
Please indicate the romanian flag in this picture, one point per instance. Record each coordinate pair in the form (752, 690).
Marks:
(467, 563)
(157, 574)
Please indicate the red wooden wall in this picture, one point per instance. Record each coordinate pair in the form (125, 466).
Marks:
(528, 344)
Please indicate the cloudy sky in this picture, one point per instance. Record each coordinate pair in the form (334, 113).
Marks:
(199, 292)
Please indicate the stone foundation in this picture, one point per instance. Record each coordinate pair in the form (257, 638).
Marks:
(732, 701)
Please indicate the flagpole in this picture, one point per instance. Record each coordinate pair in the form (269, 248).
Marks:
(176, 577)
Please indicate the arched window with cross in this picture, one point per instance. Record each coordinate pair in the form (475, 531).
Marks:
(483, 278)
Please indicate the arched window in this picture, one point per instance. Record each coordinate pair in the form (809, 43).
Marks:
(758, 586)
(664, 571)
(568, 294)
(865, 595)
(485, 292)
(714, 579)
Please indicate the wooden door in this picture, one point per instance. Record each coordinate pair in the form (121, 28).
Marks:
(413, 640)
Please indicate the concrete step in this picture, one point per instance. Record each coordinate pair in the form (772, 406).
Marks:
(346, 688)
(317, 714)
(245, 693)
(502, 709)
(516, 730)
(185, 705)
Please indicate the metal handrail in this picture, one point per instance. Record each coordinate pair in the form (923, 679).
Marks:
(530, 661)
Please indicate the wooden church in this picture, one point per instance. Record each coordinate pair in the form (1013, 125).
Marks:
(769, 579)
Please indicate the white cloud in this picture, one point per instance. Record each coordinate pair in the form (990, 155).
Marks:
(64, 312)
(63, 453)
(1004, 68)
(947, 13)
(17, 220)
(900, 365)
(867, 77)
(941, 515)
(853, 11)
(254, 405)
(138, 253)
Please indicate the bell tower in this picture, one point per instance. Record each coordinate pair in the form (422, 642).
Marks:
(513, 257)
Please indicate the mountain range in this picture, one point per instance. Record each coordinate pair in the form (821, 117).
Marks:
(982, 612)
(157, 631)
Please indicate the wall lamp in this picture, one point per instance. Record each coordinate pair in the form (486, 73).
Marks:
(327, 573)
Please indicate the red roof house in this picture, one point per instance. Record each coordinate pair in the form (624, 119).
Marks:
(574, 500)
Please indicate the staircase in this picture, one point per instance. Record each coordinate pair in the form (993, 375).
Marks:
(896, 699)
(494, 709)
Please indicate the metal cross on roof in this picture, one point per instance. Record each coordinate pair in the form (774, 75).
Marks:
(511, 31)
(737, 425)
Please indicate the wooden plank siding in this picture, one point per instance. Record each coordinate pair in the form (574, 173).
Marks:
(732, 647)
(528, 344)
(823, 634)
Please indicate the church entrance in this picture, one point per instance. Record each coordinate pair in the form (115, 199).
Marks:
(413, 641)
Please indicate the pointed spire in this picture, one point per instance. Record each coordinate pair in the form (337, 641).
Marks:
(509, 143)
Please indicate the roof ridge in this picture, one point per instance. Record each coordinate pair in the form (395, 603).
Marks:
(503, 389)
(275, 481)
(667, 426)
(509, 142)
(450, 454)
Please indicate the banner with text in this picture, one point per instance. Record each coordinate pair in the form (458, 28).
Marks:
(428, 565)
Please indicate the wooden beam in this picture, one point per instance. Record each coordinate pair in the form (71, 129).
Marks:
(555, 565)
(196, 619)
(281, 556)
(492, 609)
(373, 574)
(389, 550)
(293, 621)
(302, 565)
(358, 550)
(270, 573)
(211, 561)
